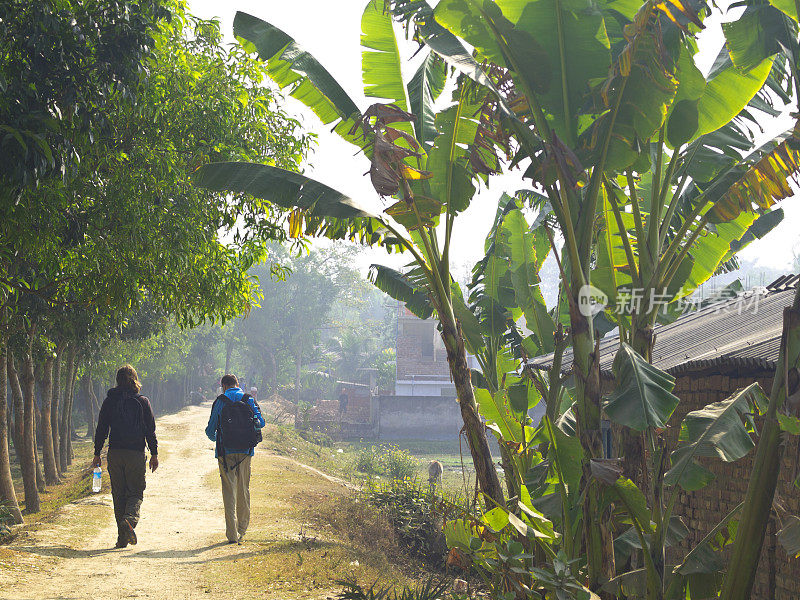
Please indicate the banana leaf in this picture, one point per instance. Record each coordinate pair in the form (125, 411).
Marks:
(288, 64)
(715, 430)
(643, 395)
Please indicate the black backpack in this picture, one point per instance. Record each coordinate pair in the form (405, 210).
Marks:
(236, 427)
(127, 421)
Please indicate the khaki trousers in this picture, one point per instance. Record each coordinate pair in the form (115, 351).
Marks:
(235, 494)
(126, 468)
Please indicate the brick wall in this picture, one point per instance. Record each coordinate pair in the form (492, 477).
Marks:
(778, 574)
(419, 349)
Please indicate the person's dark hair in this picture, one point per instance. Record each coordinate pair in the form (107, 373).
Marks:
(229, 380)
(128, 378)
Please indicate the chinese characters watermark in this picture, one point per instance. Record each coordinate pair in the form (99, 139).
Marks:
(592, 300)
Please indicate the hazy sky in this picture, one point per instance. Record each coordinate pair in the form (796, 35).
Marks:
(330, 30)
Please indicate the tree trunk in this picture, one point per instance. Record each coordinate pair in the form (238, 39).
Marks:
(298, 365)
(70, 425)
(63, 425)
(7, 494)
(228, 352)
(89, 402)
(597, 534)
(633, 447)
(48, 451)
(485, 470)
(29, 433)
(16, 394)
(55, 408)
(741, 571)
(40, 483)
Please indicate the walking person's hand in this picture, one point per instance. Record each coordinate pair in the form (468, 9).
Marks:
(97, 461)
(153, 463)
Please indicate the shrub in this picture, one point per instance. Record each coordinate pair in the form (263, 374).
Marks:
(390, 461)
(410, 508)
(398, 464)
(426, 590)
(364, 526)
(367, 460)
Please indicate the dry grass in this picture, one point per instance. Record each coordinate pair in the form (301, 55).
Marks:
(307, 532)
(76, 484)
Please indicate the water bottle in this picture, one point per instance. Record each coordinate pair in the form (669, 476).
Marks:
(96, 479)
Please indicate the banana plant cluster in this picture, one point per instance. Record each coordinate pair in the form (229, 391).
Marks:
(646, 178)
(430, 161)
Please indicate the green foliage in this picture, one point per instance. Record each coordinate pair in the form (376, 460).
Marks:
(411, 509)
(721, 429)
(60, 63)
(387, 460)
(642, 396)
(323, 313)
(429, 589)
(648, 172)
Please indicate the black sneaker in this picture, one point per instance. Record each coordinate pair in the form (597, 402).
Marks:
(128, 528)
(121, 543)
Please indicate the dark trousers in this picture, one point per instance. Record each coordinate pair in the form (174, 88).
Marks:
(126, 468)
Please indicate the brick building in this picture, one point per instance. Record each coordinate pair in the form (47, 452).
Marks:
(422, 368)
(712, 353)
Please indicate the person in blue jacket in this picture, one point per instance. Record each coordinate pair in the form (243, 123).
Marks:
(234, 463)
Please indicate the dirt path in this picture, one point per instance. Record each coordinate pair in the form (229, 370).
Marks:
(180, 532)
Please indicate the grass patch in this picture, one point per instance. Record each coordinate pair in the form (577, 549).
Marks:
(305, 534)
(75, 484)
(351, 460)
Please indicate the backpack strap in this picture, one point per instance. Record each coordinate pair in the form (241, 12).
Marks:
(220, 447)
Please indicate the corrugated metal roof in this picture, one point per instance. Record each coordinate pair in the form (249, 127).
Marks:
(740, 333)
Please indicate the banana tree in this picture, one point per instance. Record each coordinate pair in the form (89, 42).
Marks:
(505, 287)
(430, 164)
(618, 123)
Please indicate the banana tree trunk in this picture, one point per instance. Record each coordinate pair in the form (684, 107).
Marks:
(634, 449)
(29, 432)
(597, 534)
(485, 470)
(16, 395)
(741, 571)
(7, 494)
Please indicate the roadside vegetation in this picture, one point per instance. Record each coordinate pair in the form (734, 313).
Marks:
(153, 210)
(643, 176)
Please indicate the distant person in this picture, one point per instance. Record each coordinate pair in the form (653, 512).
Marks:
(343, 400)
(254, 392)
(129, 417)
(235, 425)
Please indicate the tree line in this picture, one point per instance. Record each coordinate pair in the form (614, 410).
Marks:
(107, 108)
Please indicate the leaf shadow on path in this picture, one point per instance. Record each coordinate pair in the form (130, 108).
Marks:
(64, 551)
(188, 553)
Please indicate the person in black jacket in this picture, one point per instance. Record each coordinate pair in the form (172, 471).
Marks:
(129, 417)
